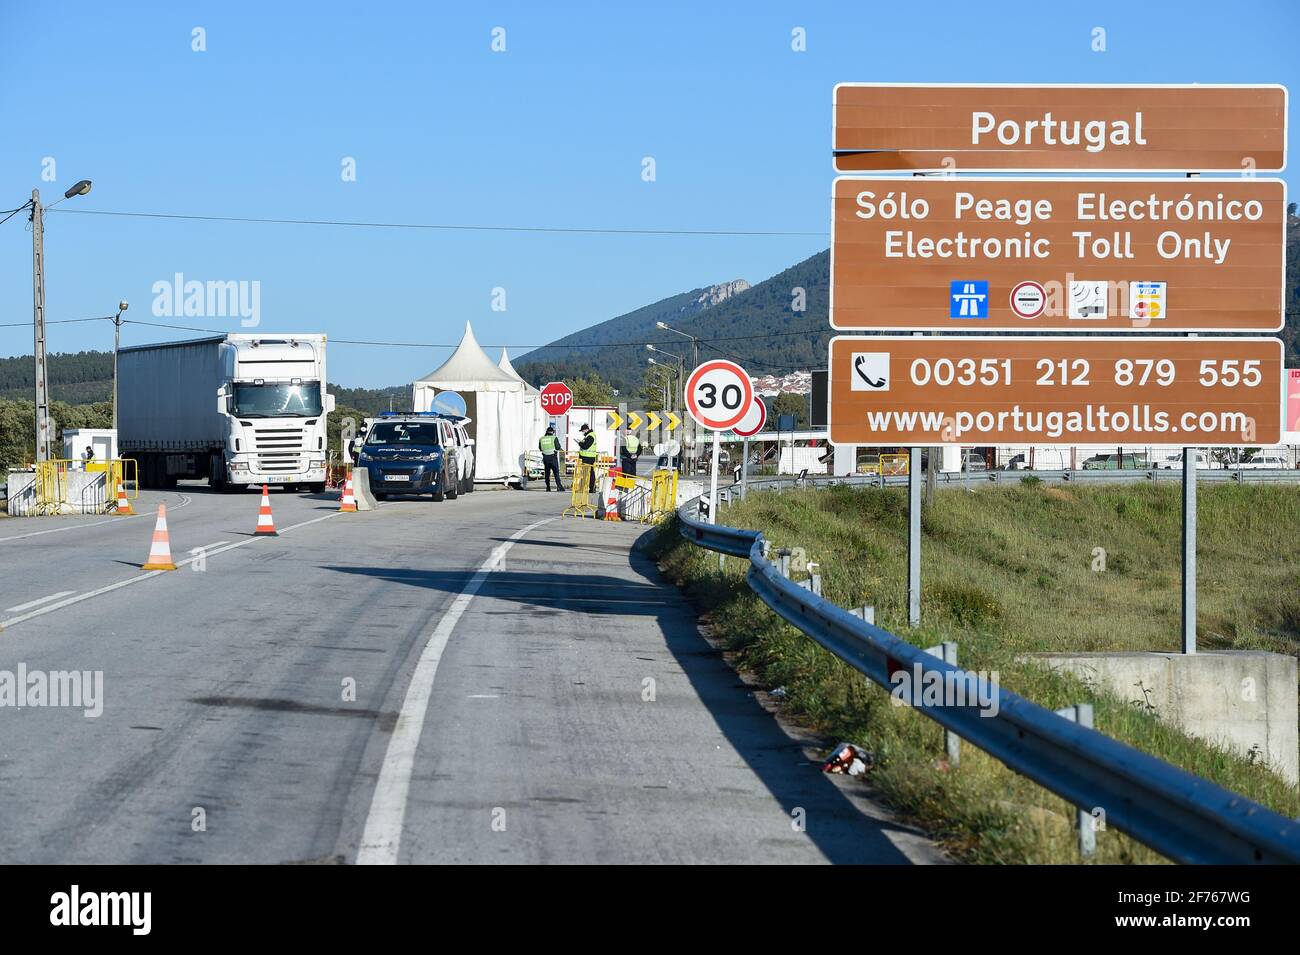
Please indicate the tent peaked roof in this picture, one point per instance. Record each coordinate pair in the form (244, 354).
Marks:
(509, 369)
(469, 363)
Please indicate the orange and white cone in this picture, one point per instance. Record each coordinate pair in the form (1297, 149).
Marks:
(160, 551)
(265, 523)
(611, 495)
(123, 503)
(347, 502)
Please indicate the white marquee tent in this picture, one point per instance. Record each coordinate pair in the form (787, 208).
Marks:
(506, 417)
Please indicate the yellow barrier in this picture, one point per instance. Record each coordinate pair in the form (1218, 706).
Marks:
(586, 478)
(123, 473)
(663, 495)
(52, 496)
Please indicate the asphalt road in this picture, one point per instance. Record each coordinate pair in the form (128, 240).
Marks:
(472, 681)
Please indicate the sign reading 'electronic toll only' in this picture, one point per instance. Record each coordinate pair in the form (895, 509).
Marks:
(1128, 255)
(913, 391)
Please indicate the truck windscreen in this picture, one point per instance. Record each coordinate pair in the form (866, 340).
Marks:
(277, 400)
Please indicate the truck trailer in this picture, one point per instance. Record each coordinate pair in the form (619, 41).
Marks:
(236, 409)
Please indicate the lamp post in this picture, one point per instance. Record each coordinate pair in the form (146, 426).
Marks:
(122, 306)
(667, 382)
(668, 388)
(80, 188)
(695, 361)
(681, 366)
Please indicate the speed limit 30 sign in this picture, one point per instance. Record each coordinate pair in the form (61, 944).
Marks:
(719, 394)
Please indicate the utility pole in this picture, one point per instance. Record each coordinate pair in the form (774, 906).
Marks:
(122, 306)
(38, 330)
(80, 188)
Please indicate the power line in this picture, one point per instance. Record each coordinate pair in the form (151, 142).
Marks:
(14, 212)
(394, 344)
(443, 227)
(66, 321)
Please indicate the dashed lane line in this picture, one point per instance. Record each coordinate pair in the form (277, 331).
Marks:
(185, 500)
(40, 600)
(50, 608)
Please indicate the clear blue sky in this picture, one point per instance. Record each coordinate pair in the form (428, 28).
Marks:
(551, 132)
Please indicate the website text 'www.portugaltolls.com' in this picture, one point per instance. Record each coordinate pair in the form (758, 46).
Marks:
(1090, 420)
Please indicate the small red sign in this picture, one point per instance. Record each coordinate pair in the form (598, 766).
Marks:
(557, 399)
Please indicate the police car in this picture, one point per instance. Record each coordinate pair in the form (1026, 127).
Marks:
(411, 453)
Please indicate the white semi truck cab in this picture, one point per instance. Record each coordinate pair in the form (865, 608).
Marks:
(275, 405)
(237, 409)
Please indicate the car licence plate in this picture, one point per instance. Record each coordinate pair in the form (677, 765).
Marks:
(397, 477)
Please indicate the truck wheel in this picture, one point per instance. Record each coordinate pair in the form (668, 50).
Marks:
(380, 496)
(217, 473)
(316, 488)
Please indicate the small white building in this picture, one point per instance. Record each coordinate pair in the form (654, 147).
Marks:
(102, 442)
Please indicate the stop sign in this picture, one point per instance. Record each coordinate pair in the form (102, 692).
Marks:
(557, 399)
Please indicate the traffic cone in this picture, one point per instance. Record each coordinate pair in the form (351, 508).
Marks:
(123, 503)
(265, 523)
(611, 495)
(347, 502)
(160, 551)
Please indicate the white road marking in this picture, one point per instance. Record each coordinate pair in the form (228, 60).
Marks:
(70, 527)
(382, 837)
(36, 603)
(483, 696)
(185, 501)
(6, 624)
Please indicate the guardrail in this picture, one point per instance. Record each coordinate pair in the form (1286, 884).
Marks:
(1180, 815)
(976, 478)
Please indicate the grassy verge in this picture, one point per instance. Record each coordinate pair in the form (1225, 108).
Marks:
(1010, 570)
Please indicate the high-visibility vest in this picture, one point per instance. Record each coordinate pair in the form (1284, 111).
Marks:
(632, 443)
(587, 449)
(548, 444)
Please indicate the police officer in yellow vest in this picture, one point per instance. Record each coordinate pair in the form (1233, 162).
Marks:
(550, 448)
(631, 451)
(587, 452)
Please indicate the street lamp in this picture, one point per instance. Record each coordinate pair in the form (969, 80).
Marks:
(122, 306)
(681, 364)
(668, 385)
(79, 188)
(695, 363)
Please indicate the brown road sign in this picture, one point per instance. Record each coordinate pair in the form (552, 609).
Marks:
(908, 391)
(881, 127)
(1116, 255)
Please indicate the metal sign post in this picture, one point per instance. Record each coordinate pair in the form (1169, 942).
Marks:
(914, 537)
(1189, 550)
(744, 469)
(713, 482)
